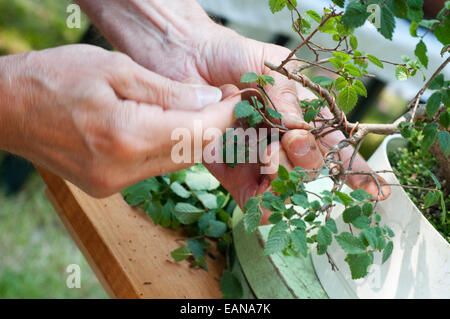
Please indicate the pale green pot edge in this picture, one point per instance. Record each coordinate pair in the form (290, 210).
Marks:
(277, 276)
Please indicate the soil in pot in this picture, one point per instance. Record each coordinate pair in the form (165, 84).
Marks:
(418, 168)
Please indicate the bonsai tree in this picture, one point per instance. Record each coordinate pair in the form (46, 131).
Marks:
(196, 200)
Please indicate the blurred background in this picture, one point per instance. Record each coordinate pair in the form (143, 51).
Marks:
(35, 249)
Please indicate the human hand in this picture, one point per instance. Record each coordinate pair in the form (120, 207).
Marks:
(199, 50)
(97, 118)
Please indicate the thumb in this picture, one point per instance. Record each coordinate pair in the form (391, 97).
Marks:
(302, 150)
(143, 86)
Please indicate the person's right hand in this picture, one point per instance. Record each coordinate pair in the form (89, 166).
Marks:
(97, 118)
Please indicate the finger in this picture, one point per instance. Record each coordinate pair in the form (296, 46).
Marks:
(364, 181)
(302, 150)
(158, 125)
(133, 82)
(273, 157)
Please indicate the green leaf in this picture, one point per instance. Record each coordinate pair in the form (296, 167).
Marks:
(216, 229)
(355, 15)
(267, 78)
(154, 209)
(283, 173)
(275, 218)
(437, 83)
(387, 23)
(178, 189)
(444, 119)
(431, 199)
(273, 114)
(441, 31)
(347, 99)
(361, 222)
(187, 213)
(398, 7)
(337, 63)
(413, 29)
(415, 12)
(421, 53)
(444, 142)
(360, 194)
(433, 104)
(136, 194)
(201, 181)
(353, 42)
(196, 248)
(331, 225)
(208, 200)
(387, 251)
(370, 237)
(350, 244)
(353, 70)
(314, 15)
(340, 83)
(360, 88)
(339, 3)
(277, 239)
(367, 209)
(401, 73)
(166, 214)
(254, 119)
(298, 239)
(253, 213)
(249, 77)
(297, 222)
(359, 264)
(430, 132)
(322, 80)
(324, 237)
(279, 186)
(181, 253)
(243, 109)
(230, 286)
(346, 200)
(375, 61)
(310, 115)
(343, 57)
(351, 213)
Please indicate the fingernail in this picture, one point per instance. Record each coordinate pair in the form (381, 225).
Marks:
(207, 95)
(294, 120)
(300, 145)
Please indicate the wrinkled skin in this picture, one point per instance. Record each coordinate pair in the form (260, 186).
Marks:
(102, 126)
(197, 50)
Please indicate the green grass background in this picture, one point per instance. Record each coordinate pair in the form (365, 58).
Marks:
(35, 249)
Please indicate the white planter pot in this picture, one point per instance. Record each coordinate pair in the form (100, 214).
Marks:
(419, 266)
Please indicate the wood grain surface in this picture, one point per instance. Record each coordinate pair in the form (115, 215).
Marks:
(127, 252)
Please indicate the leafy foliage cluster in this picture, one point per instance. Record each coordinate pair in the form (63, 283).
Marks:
(194, 199)
(415, 168)
(294, 229)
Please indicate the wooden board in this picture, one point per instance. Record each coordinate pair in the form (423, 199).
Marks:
(127, 252)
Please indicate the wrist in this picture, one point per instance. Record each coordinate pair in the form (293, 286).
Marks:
(15, 95)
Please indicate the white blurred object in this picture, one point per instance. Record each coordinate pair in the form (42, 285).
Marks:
(419, 266)
(256, 14)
